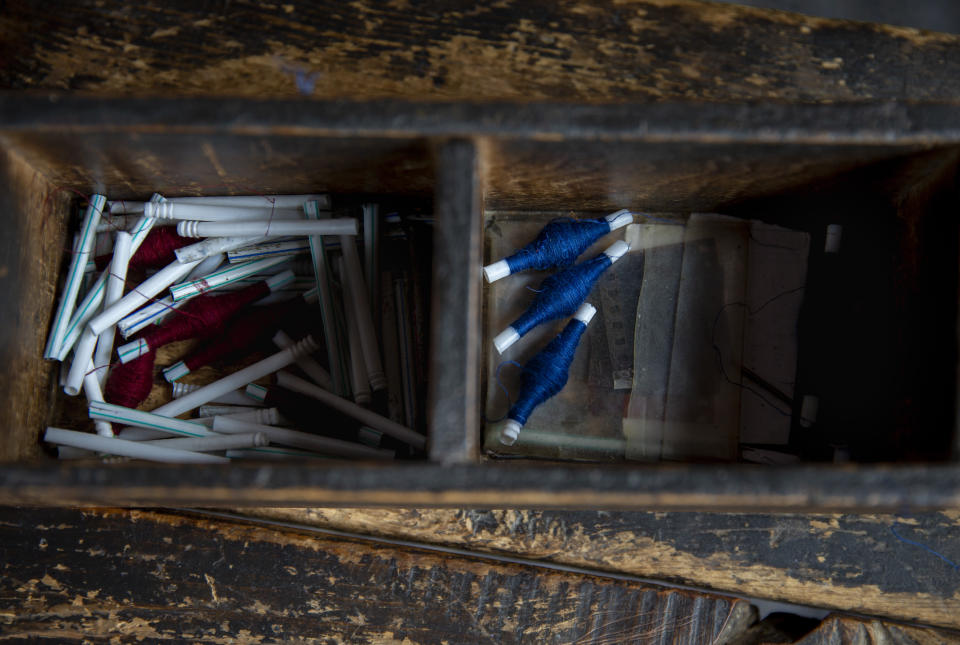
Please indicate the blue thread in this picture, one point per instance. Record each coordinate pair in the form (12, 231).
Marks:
(546, 373)
(893, 530)
(503, 388)
(560, 294)
(558, 244)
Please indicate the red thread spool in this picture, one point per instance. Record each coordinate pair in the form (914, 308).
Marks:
(241, 334)
(156, 251)
(203, 315)
(129, 384)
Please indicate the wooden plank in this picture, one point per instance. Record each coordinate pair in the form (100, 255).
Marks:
(31, 250)
(489, 485)
(455, 341)
(571, 50)
(846, 562)
(73, 575)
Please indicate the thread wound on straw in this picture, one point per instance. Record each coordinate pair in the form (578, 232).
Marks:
(130, 383)
(562, 293)
(245, 330)
(203, 315)
(157, 250)
(546, 373)
(558, 244)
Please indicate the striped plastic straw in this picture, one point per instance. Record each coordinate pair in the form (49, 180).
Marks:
(332, 340)
(138, 418)
(269, 249)
(222, 277)
(113, 446)
(68, 301)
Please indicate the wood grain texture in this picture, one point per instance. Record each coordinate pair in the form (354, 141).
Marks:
(721, 488)
(846, 562)
(71, 575)
(837, 630)
(454, 369)
(571, 50)
(33, 246)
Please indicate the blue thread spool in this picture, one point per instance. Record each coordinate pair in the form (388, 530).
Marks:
(560, 295)
(546, 373)
(558, 244)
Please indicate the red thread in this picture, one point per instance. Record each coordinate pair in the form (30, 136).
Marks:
(241, 334)
(156, 251)
(202, 316)
(130, 383)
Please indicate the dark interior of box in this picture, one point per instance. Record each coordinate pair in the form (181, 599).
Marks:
(876, 334)
(877, 338)
(51, 173)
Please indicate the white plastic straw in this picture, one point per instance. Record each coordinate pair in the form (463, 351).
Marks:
(239, 378)
(173, 210)
(358, 310)
(68, 300)
(114, 291)
(308, 364)
(124, 206)
(114, 446)
(148, 315)
(87, 308)
(303, 440)
(141, 419)
(91, 302)
(208, 410)
(254, 201)
(82, 362)
(269, 249)
(265, 416)
(371, 254)
(213, 246)
(91, 388)
(269, 228)
(331, 335)
(140, 295)
(359, 382)
(256, 392)
(364, 416)
(212, 443)
(237, 397)
(223, 277)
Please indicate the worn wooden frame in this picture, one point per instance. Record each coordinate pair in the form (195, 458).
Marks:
(479, 151)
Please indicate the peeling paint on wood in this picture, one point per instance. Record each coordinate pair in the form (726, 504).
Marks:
(570, 50)
(222, 582)
(848, 562)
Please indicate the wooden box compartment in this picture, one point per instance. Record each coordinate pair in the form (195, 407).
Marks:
(889, 170)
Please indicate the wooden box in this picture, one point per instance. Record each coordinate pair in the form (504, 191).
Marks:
(892, 166)
(673, 106)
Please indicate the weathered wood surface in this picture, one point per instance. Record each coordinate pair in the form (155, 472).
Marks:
(454, 402)
(71, 575)
(846, 562)
(32, 249)
(837, 630)
(570, 50)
